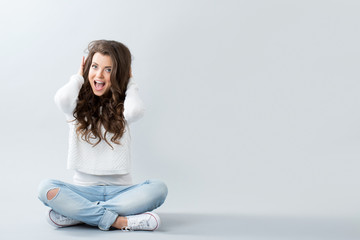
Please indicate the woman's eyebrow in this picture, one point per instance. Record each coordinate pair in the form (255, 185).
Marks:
(98, 64)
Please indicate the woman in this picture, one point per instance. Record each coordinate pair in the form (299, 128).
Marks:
(99, 102)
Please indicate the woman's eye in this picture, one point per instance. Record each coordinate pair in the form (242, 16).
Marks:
(94, 66)
(108, 70)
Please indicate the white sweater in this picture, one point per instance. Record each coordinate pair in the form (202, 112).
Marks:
(99, 165)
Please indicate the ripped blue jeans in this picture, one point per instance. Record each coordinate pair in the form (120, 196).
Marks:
(101, 205)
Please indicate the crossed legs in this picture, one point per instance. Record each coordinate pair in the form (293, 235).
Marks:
(102, 206)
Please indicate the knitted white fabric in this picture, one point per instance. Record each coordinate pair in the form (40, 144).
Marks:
(101, 159)
(83, 179)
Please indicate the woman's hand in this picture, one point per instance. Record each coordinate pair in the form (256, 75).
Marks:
(81, 69)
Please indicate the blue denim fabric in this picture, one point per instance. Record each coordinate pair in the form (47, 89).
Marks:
(101, 205)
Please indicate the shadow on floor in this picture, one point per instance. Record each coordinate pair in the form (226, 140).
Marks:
(240, 227)
(260, 227)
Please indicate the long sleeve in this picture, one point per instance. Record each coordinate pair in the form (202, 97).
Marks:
(133, 105)
(101, 159)
(66, 97)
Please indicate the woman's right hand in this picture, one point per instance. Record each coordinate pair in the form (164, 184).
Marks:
(81, 69)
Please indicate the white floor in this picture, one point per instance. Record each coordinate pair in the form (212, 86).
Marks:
(198, 226)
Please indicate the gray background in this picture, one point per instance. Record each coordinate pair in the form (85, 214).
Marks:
(251, 106)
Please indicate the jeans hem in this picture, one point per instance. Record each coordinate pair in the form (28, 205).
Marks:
(107, 220)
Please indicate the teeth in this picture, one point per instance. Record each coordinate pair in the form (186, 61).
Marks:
(98, 81)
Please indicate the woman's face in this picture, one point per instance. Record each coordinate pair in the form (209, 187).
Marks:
(99, 74)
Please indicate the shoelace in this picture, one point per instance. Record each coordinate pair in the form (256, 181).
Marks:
(60, 218)
(136, 225)
(126, 229)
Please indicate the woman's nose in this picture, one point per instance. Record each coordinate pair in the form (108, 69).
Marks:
(99, 74)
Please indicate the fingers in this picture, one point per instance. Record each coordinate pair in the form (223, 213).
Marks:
(82, 64)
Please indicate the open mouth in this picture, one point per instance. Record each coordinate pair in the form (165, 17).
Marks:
(99, 85)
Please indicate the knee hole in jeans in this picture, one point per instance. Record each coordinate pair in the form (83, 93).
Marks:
(52, 193)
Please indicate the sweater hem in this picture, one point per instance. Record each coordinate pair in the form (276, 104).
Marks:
(101, 172)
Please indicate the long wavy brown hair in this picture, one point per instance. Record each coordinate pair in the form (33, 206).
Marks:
(92, 112)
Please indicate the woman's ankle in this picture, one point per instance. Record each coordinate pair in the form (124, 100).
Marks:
(120, 222)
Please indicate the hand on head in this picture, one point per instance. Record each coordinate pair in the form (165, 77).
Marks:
(81, 69)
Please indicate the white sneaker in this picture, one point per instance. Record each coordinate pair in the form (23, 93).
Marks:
(57, 220)
(148, 221)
